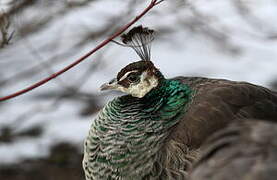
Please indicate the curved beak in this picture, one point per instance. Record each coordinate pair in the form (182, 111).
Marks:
(105, 86)
(110, 85)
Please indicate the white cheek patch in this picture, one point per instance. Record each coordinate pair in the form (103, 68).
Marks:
(147, 83)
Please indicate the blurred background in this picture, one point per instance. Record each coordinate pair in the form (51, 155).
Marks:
(42, 132)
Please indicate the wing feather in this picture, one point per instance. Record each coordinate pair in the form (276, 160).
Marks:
(216, 103)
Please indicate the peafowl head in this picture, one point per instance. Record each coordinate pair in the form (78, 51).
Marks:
(137, 78)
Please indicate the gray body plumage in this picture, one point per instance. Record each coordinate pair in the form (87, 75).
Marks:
(245, 150)
(168, 152)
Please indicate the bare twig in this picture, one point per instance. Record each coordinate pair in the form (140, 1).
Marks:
(4, 28)
(158, 2)
(101, 45)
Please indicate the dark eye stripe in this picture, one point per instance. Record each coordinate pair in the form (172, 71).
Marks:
(134, 74)
(128, 80)
(133, 78)
(125, 83)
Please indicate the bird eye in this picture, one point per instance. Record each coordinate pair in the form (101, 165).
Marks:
(133, 77)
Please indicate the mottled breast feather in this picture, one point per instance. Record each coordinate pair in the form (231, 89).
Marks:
(126, 138)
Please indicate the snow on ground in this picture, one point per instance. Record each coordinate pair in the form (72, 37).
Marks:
(177, 53)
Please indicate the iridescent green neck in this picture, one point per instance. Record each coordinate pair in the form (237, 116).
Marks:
(172, 93)
(129, 133)
(169, 88)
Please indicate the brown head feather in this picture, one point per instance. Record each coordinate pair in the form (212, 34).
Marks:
(140, 66)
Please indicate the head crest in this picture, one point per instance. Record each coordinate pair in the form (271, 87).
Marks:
(139, 38)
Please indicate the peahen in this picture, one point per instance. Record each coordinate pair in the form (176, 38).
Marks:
(245, 150)
(155, 131)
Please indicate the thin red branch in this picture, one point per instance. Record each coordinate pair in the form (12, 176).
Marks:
(158, 2)
(102, 44)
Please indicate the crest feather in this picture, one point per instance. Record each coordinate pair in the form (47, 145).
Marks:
(139, 38)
